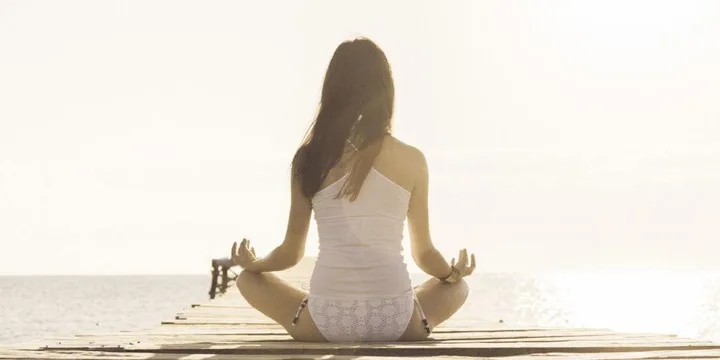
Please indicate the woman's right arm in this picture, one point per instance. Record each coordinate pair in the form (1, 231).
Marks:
(426, 256)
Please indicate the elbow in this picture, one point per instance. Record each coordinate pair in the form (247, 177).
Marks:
(295, 258)
(291, 256)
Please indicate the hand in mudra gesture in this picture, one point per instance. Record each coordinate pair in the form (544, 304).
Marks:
(462, 265)
(243, 255)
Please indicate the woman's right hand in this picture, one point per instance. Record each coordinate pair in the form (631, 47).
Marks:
(462, 265)
(244, 255)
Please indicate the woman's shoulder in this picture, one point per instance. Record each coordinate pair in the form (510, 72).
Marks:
(405, 153)
(402, 163)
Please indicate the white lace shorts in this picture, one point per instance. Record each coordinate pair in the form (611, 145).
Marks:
(372, 320)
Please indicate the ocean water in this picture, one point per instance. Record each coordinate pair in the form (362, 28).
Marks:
(685, 304)
(44, 307)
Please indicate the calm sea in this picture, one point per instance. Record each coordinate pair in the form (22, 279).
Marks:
(685, 304)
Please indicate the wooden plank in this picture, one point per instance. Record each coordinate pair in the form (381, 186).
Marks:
(86, 355)
(89, 355)
(73, 355)
(252, 334)
(94, 356)
(622, 356)
(426, 348)
(196, 343)
(235, 339)
(276, 332)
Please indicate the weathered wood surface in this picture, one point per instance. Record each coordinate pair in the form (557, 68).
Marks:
(227, 328)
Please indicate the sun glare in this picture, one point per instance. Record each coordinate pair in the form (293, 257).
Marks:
(633, 302)
(642, 35)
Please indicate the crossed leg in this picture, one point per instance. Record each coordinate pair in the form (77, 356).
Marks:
(279, 300)
(439, 302)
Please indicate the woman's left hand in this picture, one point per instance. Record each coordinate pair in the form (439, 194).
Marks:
(244, 255)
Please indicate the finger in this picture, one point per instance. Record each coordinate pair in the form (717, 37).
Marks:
(469, 270)
(247, 253)
(462, 259)
(233, 252)
(238, 259)
(252, 250)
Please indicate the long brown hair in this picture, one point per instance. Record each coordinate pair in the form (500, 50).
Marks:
(356, 106)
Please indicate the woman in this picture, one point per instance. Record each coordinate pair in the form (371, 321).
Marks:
(362, 184)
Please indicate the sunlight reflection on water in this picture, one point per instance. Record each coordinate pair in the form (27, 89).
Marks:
(682, 304)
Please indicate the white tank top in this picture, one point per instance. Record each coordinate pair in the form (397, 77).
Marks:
(360, 254)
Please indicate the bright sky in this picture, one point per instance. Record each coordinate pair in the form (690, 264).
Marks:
(146, 137)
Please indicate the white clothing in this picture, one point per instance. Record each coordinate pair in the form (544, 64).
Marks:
(360, 254)
(374, 320)
(360, 288)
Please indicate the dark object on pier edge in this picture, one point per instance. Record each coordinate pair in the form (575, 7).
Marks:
(220, 280)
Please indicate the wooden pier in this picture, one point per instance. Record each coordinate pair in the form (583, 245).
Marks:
(227, 328)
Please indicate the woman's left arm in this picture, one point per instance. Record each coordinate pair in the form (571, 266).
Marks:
(292, 249)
